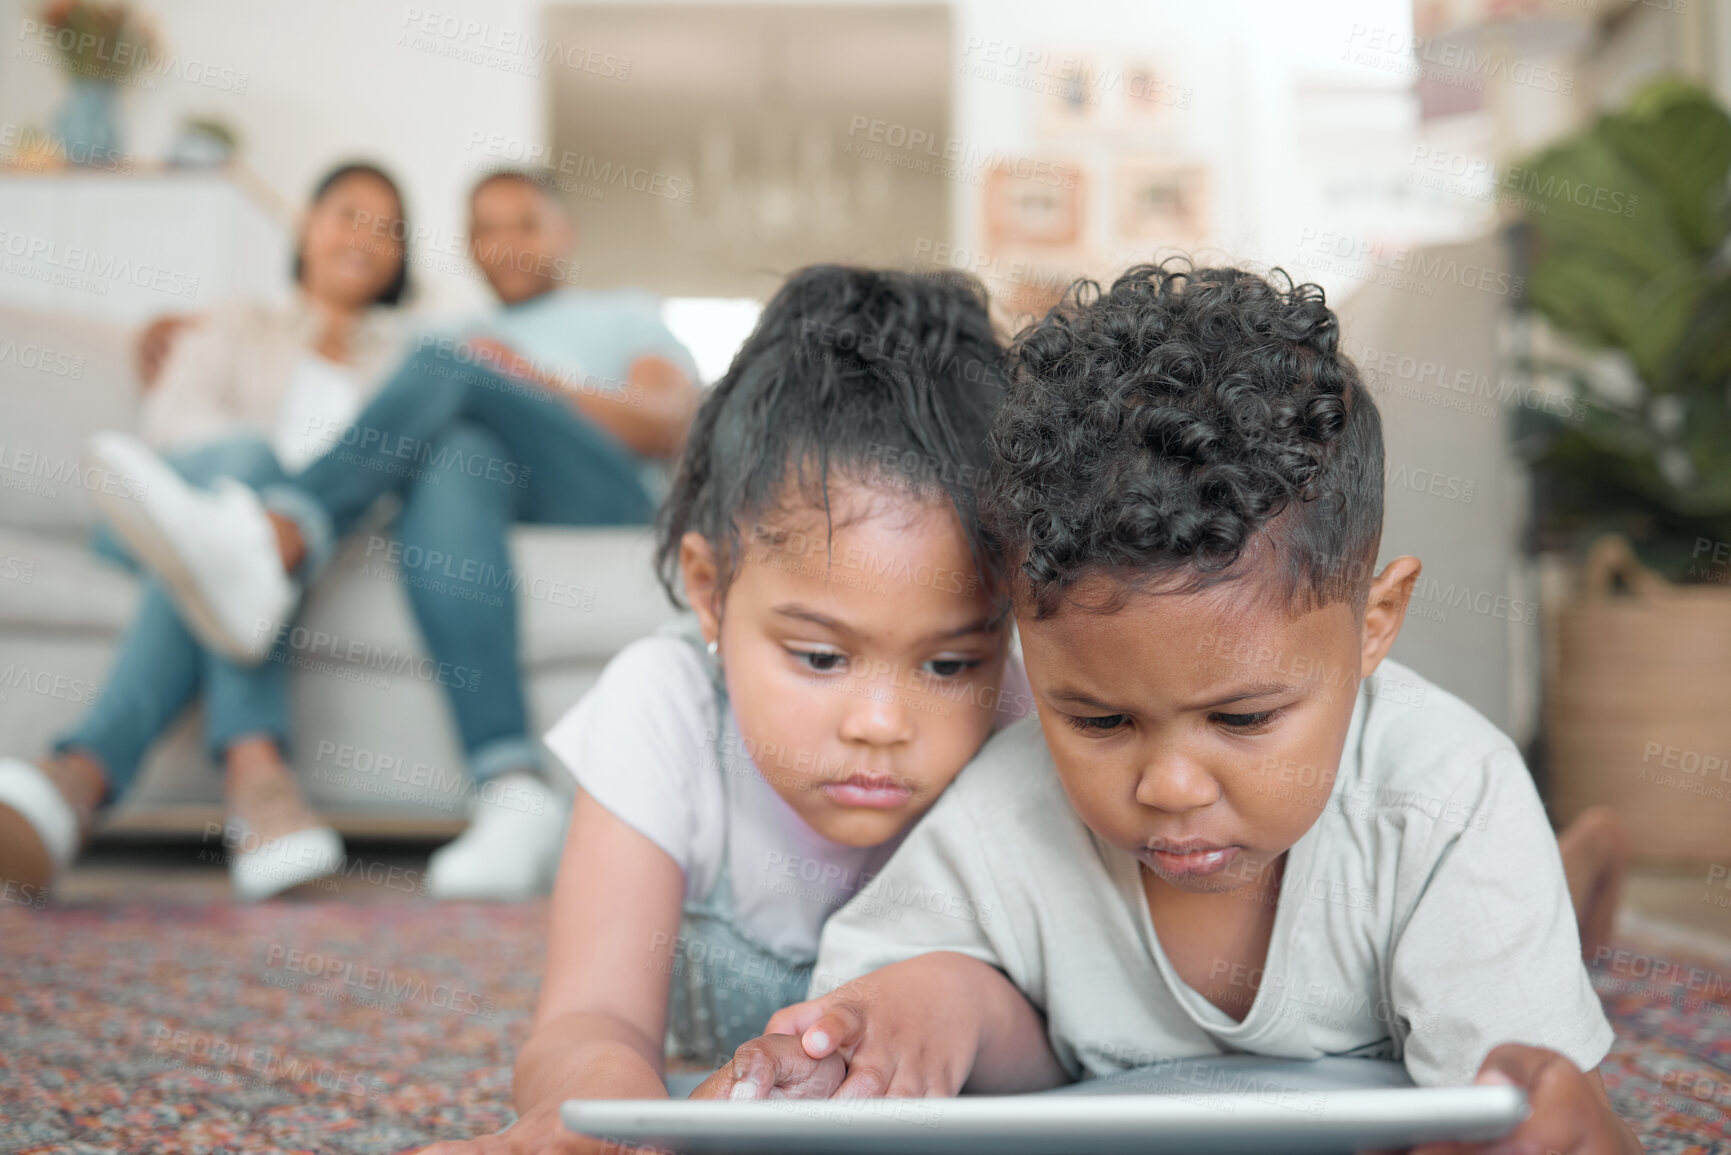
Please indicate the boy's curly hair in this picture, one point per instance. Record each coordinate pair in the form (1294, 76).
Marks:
(890, 378)
(1155, 429)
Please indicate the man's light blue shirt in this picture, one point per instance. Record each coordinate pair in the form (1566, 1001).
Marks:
(586, 337)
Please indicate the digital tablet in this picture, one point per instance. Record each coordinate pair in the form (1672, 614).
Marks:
(1274, 1118)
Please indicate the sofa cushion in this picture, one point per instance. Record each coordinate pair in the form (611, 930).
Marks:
(51, 582)
(581, 594)
(60, 378)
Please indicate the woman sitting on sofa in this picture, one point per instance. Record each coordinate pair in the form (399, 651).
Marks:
(249, 392)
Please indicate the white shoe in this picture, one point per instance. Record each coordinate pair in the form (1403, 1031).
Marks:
(38, 831)
(259, 869)
(511, 848)
(214, 548)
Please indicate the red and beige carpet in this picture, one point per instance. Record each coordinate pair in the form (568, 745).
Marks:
(368, 1029)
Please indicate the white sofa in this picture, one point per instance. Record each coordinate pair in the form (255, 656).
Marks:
(377, 751)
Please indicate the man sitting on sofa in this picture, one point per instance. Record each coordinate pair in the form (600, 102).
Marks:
(579, 389)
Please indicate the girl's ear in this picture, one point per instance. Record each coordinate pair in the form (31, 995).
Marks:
(702, 574)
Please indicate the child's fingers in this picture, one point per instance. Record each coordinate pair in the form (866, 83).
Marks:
(1514, 1063)
(1561, 1100)
(776, 1065)
(796, 1017)
(753, 1068)
(840, 1028)
(865, 1080)
(801, 1077)
(717, 1086)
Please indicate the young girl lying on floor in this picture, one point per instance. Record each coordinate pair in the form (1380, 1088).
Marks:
(745, 772)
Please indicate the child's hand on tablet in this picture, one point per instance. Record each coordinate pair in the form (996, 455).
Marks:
(1570, 1113)
(902, 1046)
(774, 1067)
(924, 1028)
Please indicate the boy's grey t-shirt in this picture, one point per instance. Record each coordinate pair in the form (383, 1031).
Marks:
(1424, 917)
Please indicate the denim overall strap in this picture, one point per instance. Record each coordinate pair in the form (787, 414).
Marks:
(724, 983)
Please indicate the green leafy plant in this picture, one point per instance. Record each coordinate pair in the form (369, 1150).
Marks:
(1630, 221)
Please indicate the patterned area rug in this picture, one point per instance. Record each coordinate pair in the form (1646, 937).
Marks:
(318, 1027)
(1668, 994)
(368, 1029)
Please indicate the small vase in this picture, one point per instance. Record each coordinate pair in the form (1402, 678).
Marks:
(88, 122)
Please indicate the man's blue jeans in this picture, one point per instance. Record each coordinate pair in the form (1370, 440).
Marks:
(161, 665)
(471, 452)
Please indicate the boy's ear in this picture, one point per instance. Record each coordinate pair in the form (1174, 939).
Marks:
(1385, 610)
(702, 574)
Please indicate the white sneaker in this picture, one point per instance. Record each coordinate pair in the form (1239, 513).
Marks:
(259, 869)
(511, 848)
(214, 548)
(38, 831)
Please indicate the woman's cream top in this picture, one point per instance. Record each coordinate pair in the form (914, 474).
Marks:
(230, 373)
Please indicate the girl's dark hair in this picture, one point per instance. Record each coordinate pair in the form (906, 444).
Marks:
(398, 288)
(890, 378)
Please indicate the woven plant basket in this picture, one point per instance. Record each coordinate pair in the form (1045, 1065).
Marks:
(1638, 706)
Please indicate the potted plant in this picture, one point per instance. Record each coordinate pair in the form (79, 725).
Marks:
(1628, 223)
(100, 47)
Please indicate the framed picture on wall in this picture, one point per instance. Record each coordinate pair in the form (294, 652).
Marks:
(1161, 204)
(1073, 93)
(1030, 201)
(1149, 94)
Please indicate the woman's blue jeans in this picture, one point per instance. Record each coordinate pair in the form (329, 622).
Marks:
(471, 453)
(161, 665)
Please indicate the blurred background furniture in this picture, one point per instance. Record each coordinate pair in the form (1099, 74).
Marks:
(128, 243)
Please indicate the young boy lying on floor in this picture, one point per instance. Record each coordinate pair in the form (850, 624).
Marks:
(1244, 829)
